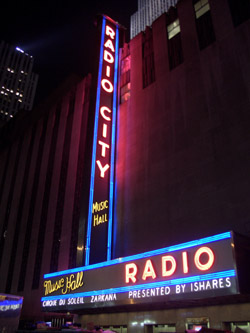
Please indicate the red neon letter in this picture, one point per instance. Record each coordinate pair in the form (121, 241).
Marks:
(104, 130)
(131, 271)
(104, 146)
(102, 169)
(109, 45)
(107, 85)
(148, 270)
(110, 32)
(184, 262)
(210, 262)
(107, 56)
(165, 271)
(102, 110)
(108, 71)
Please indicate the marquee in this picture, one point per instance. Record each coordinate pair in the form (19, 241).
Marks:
(193, 270)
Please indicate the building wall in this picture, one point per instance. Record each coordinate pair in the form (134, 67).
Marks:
(41, 190)
(148, 11)
(183, 145)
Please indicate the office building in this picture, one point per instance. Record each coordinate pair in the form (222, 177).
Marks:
(148, 12)
(17, 81)
(130, 211)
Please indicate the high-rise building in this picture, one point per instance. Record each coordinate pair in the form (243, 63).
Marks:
(157, 239)
(148, 11)
(17, 81)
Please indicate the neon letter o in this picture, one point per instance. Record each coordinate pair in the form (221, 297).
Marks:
(210, 262)
(107, 85)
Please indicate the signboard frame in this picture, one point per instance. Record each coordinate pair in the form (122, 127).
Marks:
(100, 212)
(193, 270)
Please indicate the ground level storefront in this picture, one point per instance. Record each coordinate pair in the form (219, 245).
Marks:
(219, 317)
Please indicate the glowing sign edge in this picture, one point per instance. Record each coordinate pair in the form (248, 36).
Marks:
(91, 192)
(172, 248)
(111, 186)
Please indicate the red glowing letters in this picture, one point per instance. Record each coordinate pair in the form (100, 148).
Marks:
(169, 265)
(107, 86)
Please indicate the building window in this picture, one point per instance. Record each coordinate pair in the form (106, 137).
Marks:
(175, 54)
(204, 24)
(240, 11)
(125, 79)
(201, 7)
(148, 67)
(173, 29)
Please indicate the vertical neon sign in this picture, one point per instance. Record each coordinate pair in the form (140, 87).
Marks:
(99, 228)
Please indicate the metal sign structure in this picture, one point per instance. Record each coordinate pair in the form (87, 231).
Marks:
(194, 270)
(99, 228)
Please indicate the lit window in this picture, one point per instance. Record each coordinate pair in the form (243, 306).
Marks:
(17, 93)
(173, 29)
(20, 50)
(204, 24)
(201, 7)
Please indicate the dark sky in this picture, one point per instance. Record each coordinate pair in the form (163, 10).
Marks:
(59, 34)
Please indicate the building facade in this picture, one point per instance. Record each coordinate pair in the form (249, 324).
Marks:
(42, 158)
(17, 81)
(180, 232)
(148, 12)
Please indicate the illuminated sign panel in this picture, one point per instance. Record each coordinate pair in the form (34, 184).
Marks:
(197, 269)
(99, 229)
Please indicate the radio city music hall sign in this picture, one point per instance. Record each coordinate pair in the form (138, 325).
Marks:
(196, 269)
(99, 228)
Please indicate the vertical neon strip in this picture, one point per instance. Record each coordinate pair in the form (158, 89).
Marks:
(92, 178)
(112, 159)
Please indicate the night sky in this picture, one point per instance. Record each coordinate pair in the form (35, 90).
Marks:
(59, 34)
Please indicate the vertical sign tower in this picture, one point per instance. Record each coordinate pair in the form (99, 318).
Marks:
(99, 228)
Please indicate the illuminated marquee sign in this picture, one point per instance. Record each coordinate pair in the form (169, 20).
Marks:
(196, 269)
(99, 229)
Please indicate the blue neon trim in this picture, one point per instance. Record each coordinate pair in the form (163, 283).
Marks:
(112, 159)
(191, 279)
(92, 179)
(173, 248)
(11, 302)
